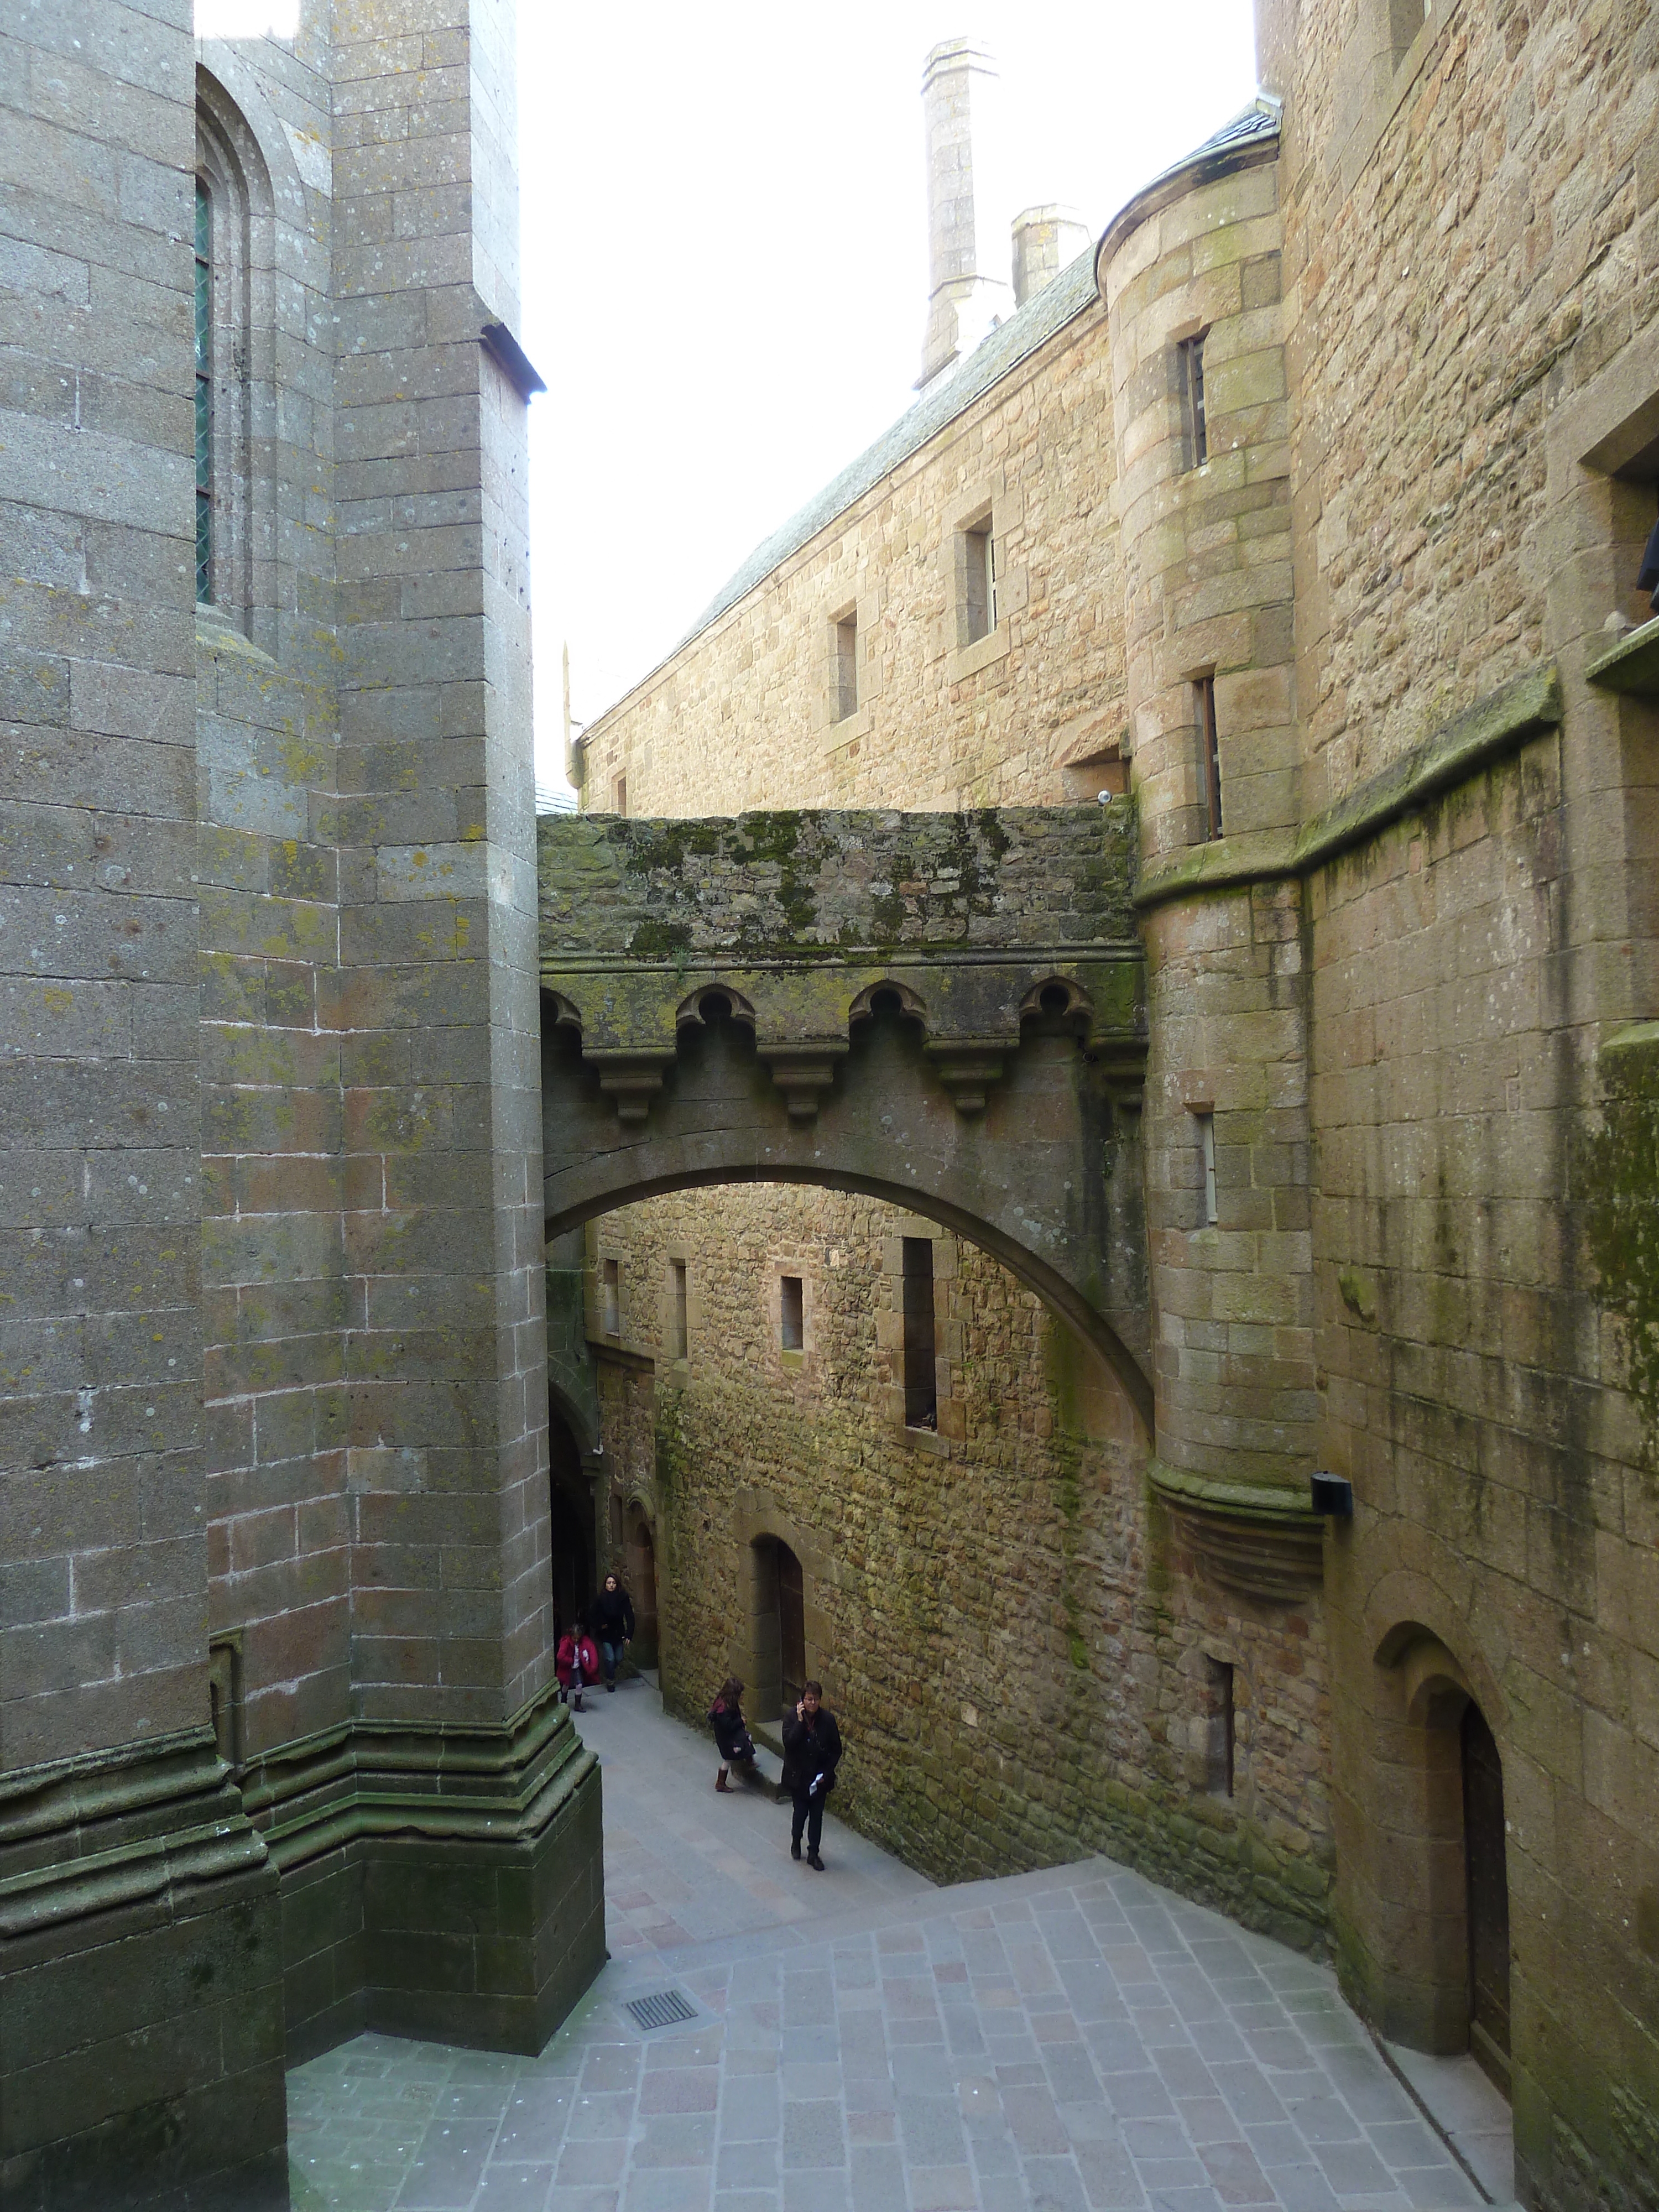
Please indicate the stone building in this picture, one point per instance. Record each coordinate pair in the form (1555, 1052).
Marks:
(1309, 509)
(278, 1755)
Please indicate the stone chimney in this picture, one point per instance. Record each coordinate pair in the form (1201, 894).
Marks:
(968, 291)
(1046, 239)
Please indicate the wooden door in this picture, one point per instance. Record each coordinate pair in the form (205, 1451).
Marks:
(1486, 1863)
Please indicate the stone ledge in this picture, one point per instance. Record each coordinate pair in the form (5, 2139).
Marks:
(1630, 666)
(1500, 723)
(1630, 1057)
(501, 1786)
(1257, 1540)
(89, 1834)
(1261, 856)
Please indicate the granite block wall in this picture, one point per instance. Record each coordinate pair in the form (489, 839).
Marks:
(1020, 1651)
(748, 713)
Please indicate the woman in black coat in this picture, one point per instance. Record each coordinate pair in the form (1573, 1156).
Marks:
(726, 1718)
(612, 1624)
(812, 1753)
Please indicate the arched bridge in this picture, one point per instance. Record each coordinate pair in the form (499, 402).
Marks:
(945, 1010)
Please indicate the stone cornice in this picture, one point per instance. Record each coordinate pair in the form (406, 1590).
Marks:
(101, 1830)
(1280, 1505)
(107, 1829)
(1632, 665)
(1495, 726)
(500, 1785)
(1260, 1540)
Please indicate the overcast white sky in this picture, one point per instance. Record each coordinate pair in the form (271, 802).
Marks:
(724, 270)
(725, 260)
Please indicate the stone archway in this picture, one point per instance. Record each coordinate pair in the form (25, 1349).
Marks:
(945, 1012)
(1438, 1932)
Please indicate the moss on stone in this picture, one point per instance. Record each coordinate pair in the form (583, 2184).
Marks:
(1615, 1175)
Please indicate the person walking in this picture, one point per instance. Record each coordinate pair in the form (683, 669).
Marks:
(576, 1663)
(613, 1625)
(732, 1736)
(812, 1753)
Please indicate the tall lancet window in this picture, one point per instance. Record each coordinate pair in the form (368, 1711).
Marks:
(204, 394)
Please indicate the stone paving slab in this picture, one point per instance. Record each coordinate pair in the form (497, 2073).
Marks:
(1075, 2040)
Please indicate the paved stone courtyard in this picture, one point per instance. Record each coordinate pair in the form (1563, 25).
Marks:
(1076, 2040)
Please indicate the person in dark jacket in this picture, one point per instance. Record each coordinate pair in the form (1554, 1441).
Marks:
(613, 1623)
(726, 1718)
(812, 1753)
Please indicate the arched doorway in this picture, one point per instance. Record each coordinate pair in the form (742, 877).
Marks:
(571, 1505)
(1487, 1890)
(640, 1567)
(778, 1628)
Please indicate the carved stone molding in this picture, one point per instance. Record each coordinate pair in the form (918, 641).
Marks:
(630, 1080)
(968, 1067)
(803, 1071)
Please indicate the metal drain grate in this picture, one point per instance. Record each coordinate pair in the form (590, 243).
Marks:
(662, 2010)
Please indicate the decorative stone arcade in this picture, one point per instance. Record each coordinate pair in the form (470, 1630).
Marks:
(945, 1010)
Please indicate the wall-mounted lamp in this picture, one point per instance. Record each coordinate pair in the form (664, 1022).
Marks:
(1332, 1494)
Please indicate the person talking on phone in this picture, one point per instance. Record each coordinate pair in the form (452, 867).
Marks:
(812, 1753)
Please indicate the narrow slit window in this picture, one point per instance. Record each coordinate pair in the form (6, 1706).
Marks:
(1189, 378)
(611, 1297)
(678, 1312)
(622, 794)
(980, 559)
(847, 665)
(921, 1376)
(1207, 1216)
(204, 394)
(1221, 1734)
(225, 1700)
(1209, 753)
(792, 1314)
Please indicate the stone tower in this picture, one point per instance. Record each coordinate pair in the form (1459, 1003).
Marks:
(278, 1753)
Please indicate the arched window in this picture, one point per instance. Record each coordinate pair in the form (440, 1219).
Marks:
(234, 318)
(203, 393)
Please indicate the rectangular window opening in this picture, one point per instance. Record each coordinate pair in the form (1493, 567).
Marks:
(611, 1297)
(679, 1329)
(792, 1314)
(921, 1376)
(620, 795)
(1209, 753)
(1189, 377)
(1207, 1164)
(847, 665)
(225, 1700)
(980, 557)
(1220, 1734)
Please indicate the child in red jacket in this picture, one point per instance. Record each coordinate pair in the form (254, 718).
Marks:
(576, 1663)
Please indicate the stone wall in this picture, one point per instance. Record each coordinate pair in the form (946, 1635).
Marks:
(1471, 217)
(1014, 1641)
(748, 713)
(274, 1530)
